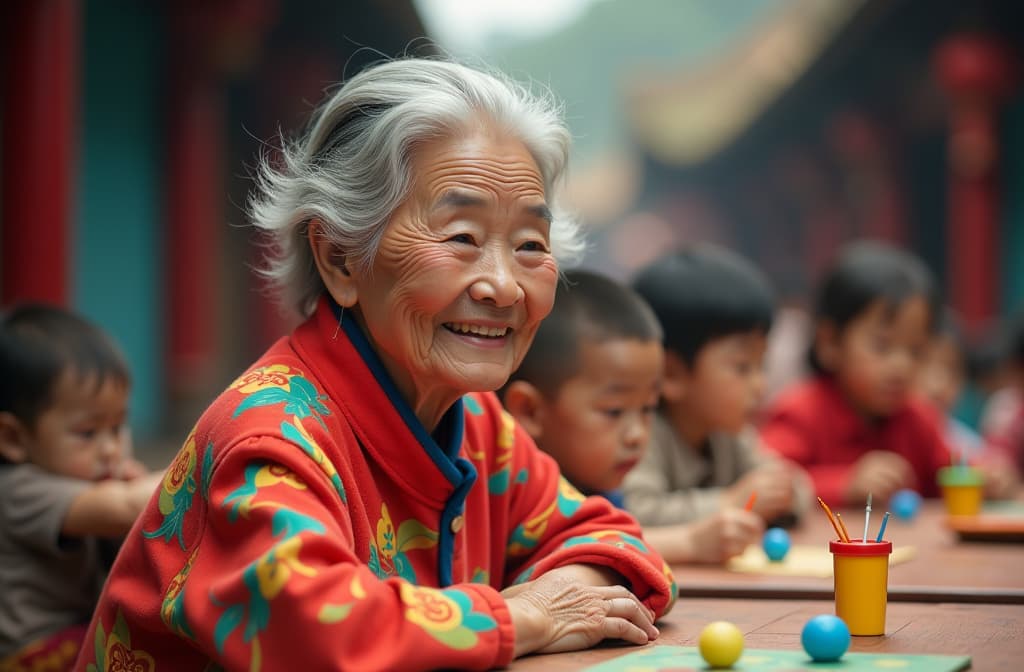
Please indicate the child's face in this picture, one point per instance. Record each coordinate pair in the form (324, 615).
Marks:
(724, 386)
(598, 425)
(83, 433)
(941, 374)
(878, 354)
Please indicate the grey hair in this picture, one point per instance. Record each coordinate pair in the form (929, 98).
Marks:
(351, 170)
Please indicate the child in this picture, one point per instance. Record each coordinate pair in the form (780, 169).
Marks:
(853, 425)
(716, 309)
(939, 381)
(1004, 425)
(586, 391)
(66, 480)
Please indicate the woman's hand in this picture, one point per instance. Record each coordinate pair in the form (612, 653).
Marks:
(559, 612)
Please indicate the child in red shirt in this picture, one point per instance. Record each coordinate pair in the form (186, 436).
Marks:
(853, 425)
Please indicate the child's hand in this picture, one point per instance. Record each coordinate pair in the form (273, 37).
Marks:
(130, 469)
(880, 473)
(1001, 478)
(773, 484)
(727, 533)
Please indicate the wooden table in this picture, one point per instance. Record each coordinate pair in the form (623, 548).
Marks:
(944, 568)
(992, 634)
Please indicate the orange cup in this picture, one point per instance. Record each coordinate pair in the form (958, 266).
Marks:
(861, 574)
(963, 490)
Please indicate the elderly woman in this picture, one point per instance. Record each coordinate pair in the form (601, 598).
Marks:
(358, 499)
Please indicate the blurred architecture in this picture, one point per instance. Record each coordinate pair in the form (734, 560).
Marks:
(128, 131)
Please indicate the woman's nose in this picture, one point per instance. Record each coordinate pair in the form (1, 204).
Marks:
(497, 282)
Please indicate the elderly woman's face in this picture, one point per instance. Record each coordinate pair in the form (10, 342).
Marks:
(464, 272)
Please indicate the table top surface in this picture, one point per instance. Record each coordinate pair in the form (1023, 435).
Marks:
(992, 634)
(943, 569)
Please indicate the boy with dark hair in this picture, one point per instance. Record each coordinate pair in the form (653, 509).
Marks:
(716, 309)
(587, 391)
(67, 479)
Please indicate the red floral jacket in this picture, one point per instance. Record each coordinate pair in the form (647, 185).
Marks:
(311, 522)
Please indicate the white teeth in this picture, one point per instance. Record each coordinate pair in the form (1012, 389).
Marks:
(477, 330)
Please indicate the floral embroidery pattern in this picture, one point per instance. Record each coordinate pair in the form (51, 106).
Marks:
(278, 384)
(275, 375)
(172, 609)
(498, 482)
(114, 653)
(294, 431)
(616, 538)
(264, 580)
(259, 476)
(526, 535)
(176, 491)
(447, 615)
(335, 613)
(472, 405)
(673, 586)
(388, 552)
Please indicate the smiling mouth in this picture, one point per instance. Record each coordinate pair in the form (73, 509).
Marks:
(466, 329)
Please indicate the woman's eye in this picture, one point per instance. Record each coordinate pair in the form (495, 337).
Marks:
(533, 246)
(462, 238)
(613, 413)
(87, 434)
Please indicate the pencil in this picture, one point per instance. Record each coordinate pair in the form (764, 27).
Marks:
(881, 530)
(749, 506)
(831, 518)
(842, 527)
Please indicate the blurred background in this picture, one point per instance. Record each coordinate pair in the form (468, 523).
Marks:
(781, 128)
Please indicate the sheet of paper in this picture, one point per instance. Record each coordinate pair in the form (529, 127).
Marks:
(801, 561)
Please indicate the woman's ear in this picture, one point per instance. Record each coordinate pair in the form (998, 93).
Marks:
(826, 344)
(13, 438)
(676, 382)
(332, 264)
(526, 404)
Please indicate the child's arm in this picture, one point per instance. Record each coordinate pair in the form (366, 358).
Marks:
(109, 508)
(711, 540)
(651, 498)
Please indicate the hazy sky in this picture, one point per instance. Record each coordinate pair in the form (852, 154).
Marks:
(463, 25)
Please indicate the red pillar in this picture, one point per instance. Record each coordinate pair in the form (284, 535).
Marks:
(195, 193)
(977, 72)
(40, 116)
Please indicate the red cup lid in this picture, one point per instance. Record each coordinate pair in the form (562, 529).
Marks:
(859, 547)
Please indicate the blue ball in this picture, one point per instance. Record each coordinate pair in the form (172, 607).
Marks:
(904, 504)
(775, 543)
(825, 638)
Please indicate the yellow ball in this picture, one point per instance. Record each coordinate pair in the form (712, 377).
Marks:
(720, 644)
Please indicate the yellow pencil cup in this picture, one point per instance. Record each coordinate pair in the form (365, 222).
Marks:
(963, 490)
(861, 572)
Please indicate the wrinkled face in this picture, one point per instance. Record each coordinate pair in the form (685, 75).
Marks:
(598, 425)
(464, 272)
(727, 381)
(941, 373)
(879, 353)
(83, 433)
